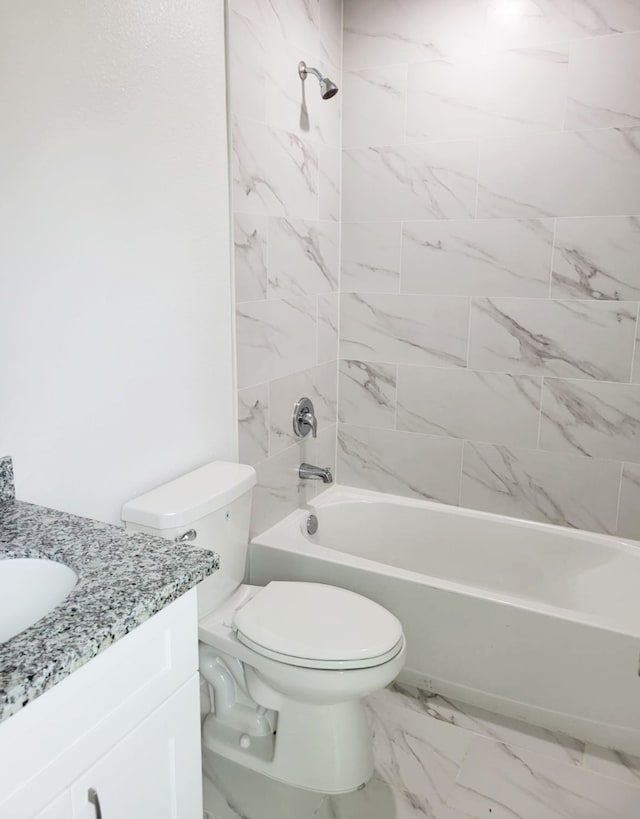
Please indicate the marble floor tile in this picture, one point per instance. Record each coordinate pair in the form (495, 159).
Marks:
(367, 394)
(484, 723)
(596, 258)
(234, 792)
(438, 759)
(378, 800)
(614, 764)
(484, 257)
(503, 782)
(601, 419)
(416, 755)
(571, 339)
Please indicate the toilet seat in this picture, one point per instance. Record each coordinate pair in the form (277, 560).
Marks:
(311, 625)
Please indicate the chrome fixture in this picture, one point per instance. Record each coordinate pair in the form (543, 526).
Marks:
(94, 799)
(312, 525)
(304, 419)
(328, 88)
(187, 536)
(318, 473)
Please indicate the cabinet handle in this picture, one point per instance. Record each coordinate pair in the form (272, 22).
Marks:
(92, 796)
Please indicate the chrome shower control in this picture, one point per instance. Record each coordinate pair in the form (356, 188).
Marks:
(304, 419)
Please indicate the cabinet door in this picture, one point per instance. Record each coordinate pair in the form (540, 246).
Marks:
(153, 773)
(60, 808)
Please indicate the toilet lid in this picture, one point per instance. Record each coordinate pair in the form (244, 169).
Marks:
(318, 626)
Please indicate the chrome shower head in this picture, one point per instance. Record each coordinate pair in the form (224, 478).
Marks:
(328, 88)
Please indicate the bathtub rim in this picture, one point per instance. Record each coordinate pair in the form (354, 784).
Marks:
(291, 527)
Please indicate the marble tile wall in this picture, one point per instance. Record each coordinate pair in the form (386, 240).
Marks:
(490, 265)
(286, 201)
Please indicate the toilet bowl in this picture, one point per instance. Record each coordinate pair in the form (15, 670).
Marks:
(287, 665)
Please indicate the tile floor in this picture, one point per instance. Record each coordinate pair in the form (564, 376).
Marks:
(445, 760)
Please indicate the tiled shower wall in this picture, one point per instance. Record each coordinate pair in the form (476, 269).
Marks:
(286, 203)
(491, 256)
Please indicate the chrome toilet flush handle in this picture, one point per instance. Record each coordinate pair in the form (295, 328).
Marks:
(186, 537)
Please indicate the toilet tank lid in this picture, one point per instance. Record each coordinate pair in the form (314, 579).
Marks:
(191, 496)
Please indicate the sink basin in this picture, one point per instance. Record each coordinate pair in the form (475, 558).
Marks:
(29, 589)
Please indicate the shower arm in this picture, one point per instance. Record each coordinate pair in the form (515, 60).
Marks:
(304, 69)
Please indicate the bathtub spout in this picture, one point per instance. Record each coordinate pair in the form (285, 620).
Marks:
(319, 473)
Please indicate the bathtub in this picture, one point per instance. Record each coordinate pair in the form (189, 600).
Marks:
(529, 620)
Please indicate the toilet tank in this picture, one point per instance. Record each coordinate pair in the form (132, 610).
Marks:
(210, 508)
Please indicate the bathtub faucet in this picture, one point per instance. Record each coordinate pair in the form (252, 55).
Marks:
(319, 473)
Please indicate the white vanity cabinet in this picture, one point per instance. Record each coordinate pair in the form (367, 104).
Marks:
(125, 727)
(147, 773)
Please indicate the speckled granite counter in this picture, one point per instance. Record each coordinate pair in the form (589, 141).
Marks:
(123, 579)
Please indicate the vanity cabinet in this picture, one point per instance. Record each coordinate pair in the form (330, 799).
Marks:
(145, 774)
(125, 726)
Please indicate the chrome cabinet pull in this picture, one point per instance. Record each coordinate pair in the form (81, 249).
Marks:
(92, 796)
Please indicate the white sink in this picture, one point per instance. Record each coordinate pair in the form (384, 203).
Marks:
(29, 589)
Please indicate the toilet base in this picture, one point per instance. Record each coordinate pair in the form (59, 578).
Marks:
(319, 748)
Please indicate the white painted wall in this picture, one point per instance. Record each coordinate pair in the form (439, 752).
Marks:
(116, 358)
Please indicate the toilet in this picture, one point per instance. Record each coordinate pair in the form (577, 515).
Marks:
(286, 665)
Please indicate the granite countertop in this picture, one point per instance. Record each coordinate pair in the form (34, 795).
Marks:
(123, 579)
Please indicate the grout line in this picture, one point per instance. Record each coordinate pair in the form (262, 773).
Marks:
(553, 255)
(617, 522)
(542, 385)
(462, 452)
(466, 366)
(395, 402)
(635, 344)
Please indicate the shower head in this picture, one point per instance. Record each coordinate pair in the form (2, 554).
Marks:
(328, 88)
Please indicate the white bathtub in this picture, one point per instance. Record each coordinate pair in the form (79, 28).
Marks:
(525, 619)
